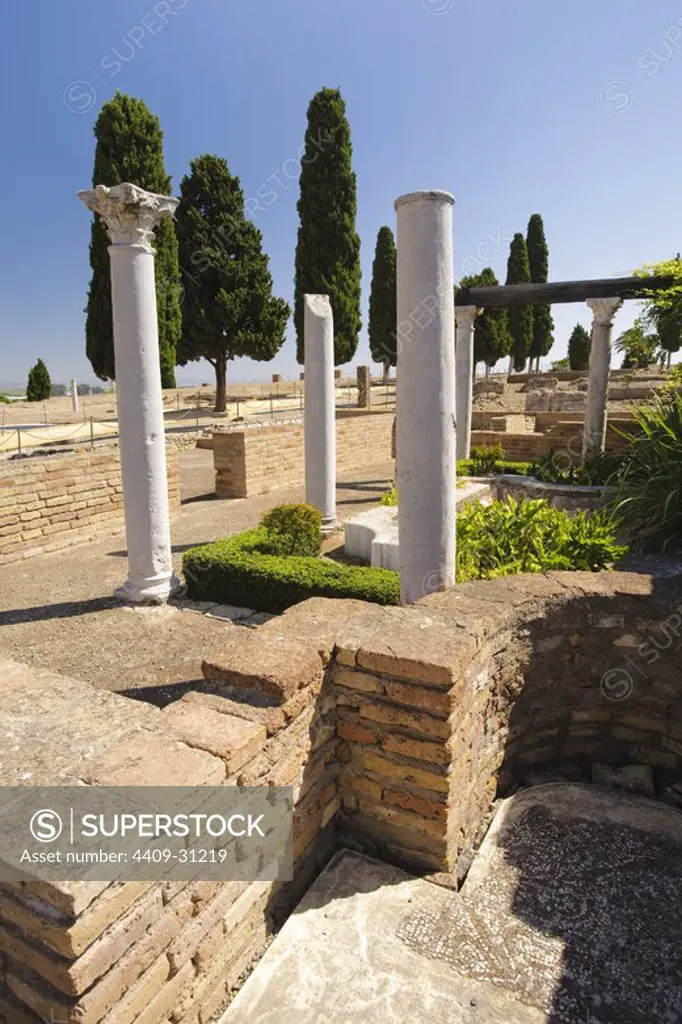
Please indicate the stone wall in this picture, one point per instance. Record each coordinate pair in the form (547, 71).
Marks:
(53, 502)
(397, 727)
(562, 436)
(256, 459)
(81, 953)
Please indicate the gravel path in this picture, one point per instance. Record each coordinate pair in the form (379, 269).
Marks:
(56, 611)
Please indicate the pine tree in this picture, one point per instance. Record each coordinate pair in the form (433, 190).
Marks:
(383, 315)
(39, 385)
(492, 340)
(579, 345)
(130, 148)
(328, 247)
(520, 317)
(228, 306)
(538, 261)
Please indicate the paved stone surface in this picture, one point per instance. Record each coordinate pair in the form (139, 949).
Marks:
(339, 959)
(569, 915)
(57, 609)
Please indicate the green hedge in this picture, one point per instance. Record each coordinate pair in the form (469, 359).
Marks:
(465, 467)
(237, 571)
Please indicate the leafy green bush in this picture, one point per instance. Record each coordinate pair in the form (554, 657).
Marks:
(485, 459)
(389, 497)
(649, 497)
(508, 537)
(241, 571)
(293, 530)
(557, 468)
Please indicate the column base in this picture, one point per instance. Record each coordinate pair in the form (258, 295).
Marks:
(153, 591)
(330, 524)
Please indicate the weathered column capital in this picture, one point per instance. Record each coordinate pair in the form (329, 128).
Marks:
(604, 310)
(129, 212)
(465, 316)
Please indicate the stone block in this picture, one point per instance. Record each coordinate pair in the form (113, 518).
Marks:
(149, 759)
(233, 739)
(274, 668)
(637, 777)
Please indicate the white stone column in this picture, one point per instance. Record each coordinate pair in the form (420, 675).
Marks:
(74, 395)
(594, 430)
(320, 408)
(465, 319)
(425, 394)
(130, 215)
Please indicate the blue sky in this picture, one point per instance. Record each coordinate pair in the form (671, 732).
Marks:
(569, 110)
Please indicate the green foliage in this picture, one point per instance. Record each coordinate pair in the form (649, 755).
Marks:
(39, 385)
(4, 400)
(486, 459)
(328, 246)
(561, 364)
(508, 537)
(130, 148)
(389, 497)
(228, 306)
(293, 530)
(649, 497)
(538, 261)
(383, 316)
(638, 348)
(241, 571)
(662, 313)
(492, 340)
(579, 345)
(466, 467)
(520, 317)
(557, 468)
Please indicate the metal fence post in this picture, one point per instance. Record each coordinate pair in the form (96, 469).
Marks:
(92, 433)
(19, 440)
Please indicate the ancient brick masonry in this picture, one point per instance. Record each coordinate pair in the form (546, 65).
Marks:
(57, 502)
(397, 728)
(258, 459)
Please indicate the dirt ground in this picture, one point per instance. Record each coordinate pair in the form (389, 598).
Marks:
(57, 612)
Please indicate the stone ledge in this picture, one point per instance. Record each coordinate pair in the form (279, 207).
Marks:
(269, 668)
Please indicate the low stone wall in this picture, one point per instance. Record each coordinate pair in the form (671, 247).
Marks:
(57, 501)
(562, 436)
(566, 496)
(397, 727)
(81, 953)
(256, 459)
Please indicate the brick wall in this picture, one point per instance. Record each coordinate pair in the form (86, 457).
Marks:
(397, 728)
(259, 459)
(562, 436)
(53, 502)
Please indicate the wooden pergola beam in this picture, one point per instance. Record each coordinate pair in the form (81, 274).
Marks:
(506, 296)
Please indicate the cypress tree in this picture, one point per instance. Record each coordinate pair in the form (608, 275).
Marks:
(520, 317)
(39, 385)
(130, 148)
(328, 247)
(228, 306)
(492, 340)
(579, 345)
(538, 261)
(383, 313)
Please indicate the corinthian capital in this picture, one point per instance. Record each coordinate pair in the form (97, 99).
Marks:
(465, 317)
(604, 310)
(129, 212)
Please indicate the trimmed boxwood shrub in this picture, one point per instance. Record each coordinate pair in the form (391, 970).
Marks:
(240, 571)
(467, 467)
(293, 530)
